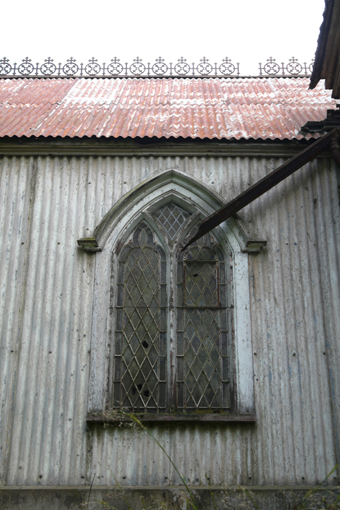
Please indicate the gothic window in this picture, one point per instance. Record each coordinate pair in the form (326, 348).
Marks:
(182, 364)
(202, 333)
(141, 325)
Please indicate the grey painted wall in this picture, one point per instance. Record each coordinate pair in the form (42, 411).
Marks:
(46, 311)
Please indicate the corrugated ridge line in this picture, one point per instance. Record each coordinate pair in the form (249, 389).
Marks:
(24, 406)
(47, 460)
(128, 456)
(246, 174)
(264, 358)
(279, 365)
(71, 286)
(43, 90)
(33, 356)
(330, 289)
(319, 318)
(24, 167)
(77, 331)
(283, 351)
(257, 291)
(35, 384)
(331, 239)
(84, 307)
(13, 246)
(59, 337)
(309, 375)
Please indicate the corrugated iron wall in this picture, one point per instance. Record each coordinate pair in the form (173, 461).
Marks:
(46, 291)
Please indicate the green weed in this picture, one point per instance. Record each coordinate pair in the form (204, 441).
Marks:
(308, 501)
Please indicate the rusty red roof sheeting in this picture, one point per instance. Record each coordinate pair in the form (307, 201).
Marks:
(221, 108)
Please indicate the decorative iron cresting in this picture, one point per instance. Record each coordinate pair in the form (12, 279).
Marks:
(117, 69)
(293, 68)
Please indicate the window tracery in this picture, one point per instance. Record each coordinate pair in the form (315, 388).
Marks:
(141, 326)
(111, 236)
(172, 217)
(144, 379)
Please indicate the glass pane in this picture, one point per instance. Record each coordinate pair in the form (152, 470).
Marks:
(140, 356)
(203, 360)
(201, 284)
(172, 217)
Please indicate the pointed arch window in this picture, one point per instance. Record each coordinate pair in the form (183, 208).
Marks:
(170, 331)
(173, 315)
(203, 328)
(141, 325)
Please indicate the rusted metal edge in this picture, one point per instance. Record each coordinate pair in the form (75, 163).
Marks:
(322, 44)
(332, 121)
(264, 185)
(173, 418)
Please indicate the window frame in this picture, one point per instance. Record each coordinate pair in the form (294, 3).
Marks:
(119, 311)
(221, 309)
(121, 317)
(110, 235)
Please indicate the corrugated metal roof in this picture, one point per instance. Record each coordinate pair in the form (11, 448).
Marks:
(248, 108)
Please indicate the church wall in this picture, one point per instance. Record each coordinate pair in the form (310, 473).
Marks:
(46, 313)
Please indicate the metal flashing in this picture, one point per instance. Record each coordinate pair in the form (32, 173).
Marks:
(130, 147)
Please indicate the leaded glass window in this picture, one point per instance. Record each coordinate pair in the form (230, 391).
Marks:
(141, 326)
(172, 217)
(203, 368)
(199, 378)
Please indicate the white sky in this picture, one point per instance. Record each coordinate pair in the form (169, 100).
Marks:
(247, 31)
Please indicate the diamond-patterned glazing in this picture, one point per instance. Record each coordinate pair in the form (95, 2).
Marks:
(202, 352)
(172, 217)
(141, 323)
(202, 361)
(142, 371)
(201, 283)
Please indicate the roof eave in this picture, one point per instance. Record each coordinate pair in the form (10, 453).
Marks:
(327, 56)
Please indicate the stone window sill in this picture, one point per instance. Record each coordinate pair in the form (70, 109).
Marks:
(172, 418)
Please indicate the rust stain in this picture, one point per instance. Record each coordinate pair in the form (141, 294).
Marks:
(221, 108)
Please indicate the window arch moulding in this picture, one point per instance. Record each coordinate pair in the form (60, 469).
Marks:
(142, 205)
